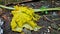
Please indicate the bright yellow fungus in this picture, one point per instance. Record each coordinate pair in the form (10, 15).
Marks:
(24, 17)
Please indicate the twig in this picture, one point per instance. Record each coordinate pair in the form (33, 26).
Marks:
(56, 19)
(47, 18)
(35, 10)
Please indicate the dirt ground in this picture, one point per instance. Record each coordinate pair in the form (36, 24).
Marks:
(49, 26)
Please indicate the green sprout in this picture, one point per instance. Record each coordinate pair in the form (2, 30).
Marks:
(43, 7)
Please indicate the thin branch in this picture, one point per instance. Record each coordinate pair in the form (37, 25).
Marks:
(35, 10)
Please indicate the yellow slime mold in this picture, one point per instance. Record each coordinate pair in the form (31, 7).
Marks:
(24, 17)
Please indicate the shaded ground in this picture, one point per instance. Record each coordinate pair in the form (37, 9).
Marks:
(41, 22)
(49, 27)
